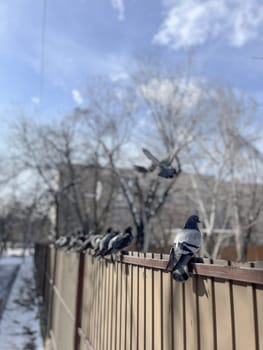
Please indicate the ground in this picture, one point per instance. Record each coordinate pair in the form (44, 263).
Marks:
(19, 324)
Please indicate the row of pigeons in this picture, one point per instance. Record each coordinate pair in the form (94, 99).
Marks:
(98, 245)
(186, 244)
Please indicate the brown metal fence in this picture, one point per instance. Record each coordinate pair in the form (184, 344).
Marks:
(135, 304)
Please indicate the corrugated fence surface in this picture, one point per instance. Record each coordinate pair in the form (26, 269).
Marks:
(135, 304)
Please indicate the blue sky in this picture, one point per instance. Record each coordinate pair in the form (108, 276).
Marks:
(84, 38)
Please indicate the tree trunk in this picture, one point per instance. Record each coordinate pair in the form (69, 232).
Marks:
(140, 238)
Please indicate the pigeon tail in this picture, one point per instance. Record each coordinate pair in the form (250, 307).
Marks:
(141, 169)
(180, 271)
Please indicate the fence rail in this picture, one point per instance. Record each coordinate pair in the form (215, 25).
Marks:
(135, 303)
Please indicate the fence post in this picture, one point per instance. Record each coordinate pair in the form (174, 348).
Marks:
(79, 296)
(52, 281)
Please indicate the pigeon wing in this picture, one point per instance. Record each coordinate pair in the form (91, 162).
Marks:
(122, 243)
(189, 238)
(150, 156)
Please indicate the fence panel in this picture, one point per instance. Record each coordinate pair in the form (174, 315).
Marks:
(149, 306)
(244, 322)
(259, 315)
(64, 300)
(135, 304)
(129, 297)
(223, 315)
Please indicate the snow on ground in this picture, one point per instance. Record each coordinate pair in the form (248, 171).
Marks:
(9, 260)
(20, 326)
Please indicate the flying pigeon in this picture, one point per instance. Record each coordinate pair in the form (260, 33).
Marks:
(187, 242)
(165, 167)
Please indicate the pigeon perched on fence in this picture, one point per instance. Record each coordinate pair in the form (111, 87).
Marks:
(120, 242)
(77, 241)
(187, 242)
(165, 167)
(95, 243)
(62, 241)
(104, 243)
(86, 246)
(73, 241)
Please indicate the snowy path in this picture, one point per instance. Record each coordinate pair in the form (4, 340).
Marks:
(20, 327)
(7, 276)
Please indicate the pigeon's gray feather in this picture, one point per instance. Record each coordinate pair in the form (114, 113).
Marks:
(150, 156)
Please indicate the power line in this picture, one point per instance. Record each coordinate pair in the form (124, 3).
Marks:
(42, 55)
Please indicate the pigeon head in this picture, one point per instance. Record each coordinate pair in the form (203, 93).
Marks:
(128, 230)
(191, 222)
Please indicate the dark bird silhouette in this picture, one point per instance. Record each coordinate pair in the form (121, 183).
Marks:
(141, 169)
(104, 243)
(119, 242)
(187, 242)
(95, 243)
(164, 166)
(77, 244)
(87, 244)
(76, 240)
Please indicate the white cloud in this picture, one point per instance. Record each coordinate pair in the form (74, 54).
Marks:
(35, 100)
(119, 6)
(171, 92)
(119, 75)
(194, 22)
(247, 23)
(77, 96)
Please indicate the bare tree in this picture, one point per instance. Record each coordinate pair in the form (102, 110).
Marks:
(172, 108)
(226, 152)
(171, 120)
(57, 157)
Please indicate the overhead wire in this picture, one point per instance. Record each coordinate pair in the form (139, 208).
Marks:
(43, 47)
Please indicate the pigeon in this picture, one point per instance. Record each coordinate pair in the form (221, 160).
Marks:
(103, 247)
(119, 242)
(165, 167)
(187, 242)
(77, 242)
(95, 243)
(62, 241)
(87, 244)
